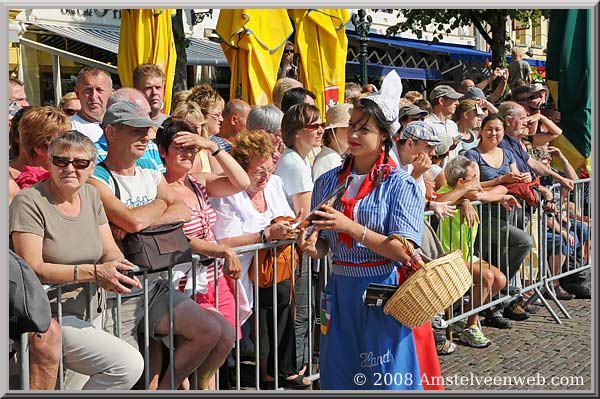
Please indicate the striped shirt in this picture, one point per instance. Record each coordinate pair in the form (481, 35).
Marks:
(201, 226)
(394, 207)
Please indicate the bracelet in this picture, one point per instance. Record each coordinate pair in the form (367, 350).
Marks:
(221, 251)
(214, 154)
(364, 234)
(263, 237)
(75, 273)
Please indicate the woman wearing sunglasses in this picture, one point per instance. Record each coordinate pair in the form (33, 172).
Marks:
(58, 226)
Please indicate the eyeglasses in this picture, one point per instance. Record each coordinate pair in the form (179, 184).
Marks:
(286, 51)
(315, 126)
(216, 115)
(259, 174)
(523, 99)
(70, 112)
(64, 162)
(189, 148)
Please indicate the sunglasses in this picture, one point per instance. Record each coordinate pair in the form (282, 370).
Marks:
(70, 112)
(288, 51)
(315, 126)
(64, 162)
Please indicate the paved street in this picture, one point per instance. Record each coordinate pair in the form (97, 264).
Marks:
(537, 348)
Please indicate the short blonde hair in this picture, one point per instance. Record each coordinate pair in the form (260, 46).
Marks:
(181, 96)
(413, 96)
(191, 112)
(38, 126)
(206, 97)
(281, 87)
(70, 96)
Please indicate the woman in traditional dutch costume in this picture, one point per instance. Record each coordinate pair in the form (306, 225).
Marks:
(361, 347)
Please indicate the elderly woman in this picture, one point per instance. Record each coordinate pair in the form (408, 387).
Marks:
(335, 139)
(245, 218)
(58, 226)
(36, 128)
(268, 119)
(380, 201)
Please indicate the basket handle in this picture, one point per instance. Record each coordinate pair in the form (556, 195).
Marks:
(412, 257)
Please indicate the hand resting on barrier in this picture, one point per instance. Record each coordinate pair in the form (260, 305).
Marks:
(111, 278)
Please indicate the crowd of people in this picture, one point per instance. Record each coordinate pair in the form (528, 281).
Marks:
(106, 163)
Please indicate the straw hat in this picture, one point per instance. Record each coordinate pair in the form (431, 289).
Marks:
(338, 116)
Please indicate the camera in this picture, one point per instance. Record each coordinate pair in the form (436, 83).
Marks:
(378, 294)
(129, 273)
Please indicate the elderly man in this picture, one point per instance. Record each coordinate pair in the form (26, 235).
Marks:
(234, 115)
(137, 97)
(201, 340)
(17, 98)
(150, 80)
(93, 87)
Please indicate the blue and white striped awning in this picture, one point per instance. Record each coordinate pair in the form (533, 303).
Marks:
(200, 51)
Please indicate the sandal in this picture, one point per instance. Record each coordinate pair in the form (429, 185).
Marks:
(296, 382)
(445, 347)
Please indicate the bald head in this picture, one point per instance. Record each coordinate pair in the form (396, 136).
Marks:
(235, 113)
(129, 94)
(464, 85)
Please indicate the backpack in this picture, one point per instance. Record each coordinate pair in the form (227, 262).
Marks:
(29, 308)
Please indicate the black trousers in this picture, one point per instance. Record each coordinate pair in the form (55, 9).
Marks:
(285, 337)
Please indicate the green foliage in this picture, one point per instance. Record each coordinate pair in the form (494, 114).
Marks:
(486, 21)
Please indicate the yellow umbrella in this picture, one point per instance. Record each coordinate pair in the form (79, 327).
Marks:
(253, 42)
(322, 43)
(147, 38)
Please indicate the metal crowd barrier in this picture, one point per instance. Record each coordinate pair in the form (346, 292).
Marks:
(538, 282)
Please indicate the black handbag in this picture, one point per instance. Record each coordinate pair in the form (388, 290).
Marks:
(29, 307)
(157, 248)
(154, 248)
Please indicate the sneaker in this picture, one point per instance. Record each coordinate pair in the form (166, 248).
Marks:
(528, 308)
(473, 336)
(498, 322)
(516, 312)
(446, 347)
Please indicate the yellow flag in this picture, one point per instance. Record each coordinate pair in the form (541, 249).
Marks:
(147, 38)
(253, 42)
(322, 43)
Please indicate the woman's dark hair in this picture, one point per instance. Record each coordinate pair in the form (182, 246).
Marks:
(493, 117)
(295, 119)
(170, 127)
(294, 96)
(372, 110)
(13, 133)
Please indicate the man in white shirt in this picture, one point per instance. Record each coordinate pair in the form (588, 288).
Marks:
(444, 100)
(150, 80)
(93, 88)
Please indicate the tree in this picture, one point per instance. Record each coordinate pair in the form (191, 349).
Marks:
(491, 24)
(181, 43)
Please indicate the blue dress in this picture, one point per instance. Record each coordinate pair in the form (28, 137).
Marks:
(363, 348)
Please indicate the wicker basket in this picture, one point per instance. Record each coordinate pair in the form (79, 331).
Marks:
(430, 290)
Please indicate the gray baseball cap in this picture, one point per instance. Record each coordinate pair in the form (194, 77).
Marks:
(444, 91)
(420, 130)
(473, 93)
(127, 113)
(411, 110)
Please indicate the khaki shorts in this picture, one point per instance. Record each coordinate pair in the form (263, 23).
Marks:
(132, 312)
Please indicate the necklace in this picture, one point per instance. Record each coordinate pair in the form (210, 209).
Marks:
(258, 201)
